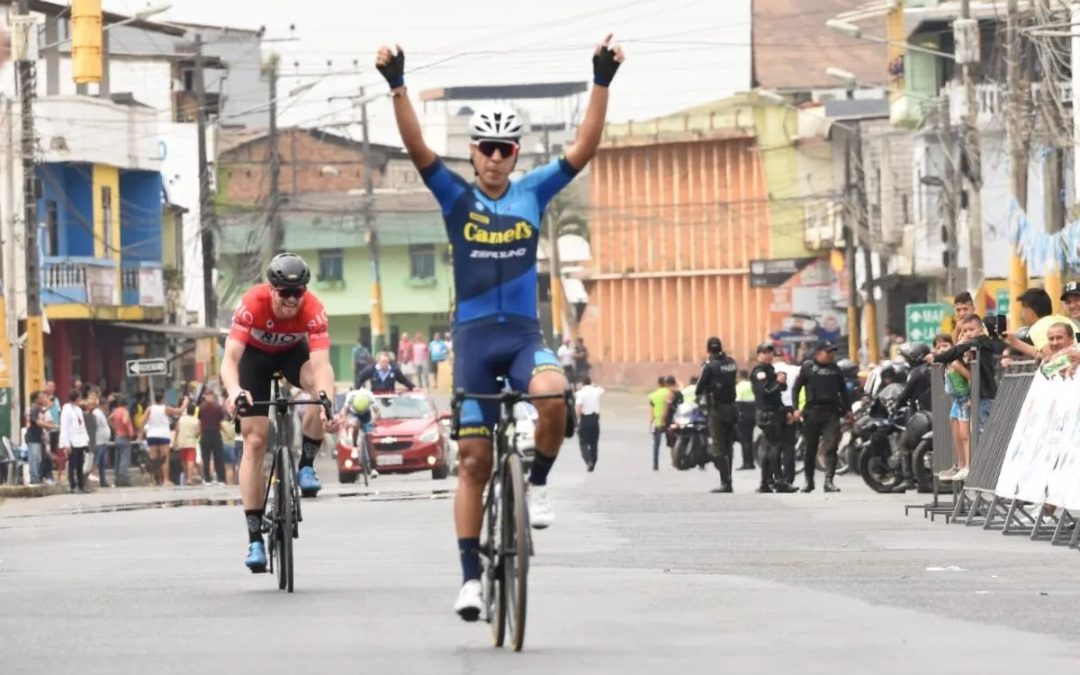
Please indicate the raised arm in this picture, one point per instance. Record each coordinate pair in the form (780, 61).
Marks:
(606, 60)
(391, 64)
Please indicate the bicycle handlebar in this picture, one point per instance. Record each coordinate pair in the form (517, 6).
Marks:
(512, 397)
(509, 396)
(244, 406)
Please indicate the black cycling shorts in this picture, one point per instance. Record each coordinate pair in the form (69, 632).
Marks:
(257, 369)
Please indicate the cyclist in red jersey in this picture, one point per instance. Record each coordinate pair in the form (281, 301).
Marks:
(278, 327)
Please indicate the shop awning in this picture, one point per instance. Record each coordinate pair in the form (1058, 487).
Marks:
(189, 332)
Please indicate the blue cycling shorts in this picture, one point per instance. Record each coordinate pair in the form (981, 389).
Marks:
(486, 350)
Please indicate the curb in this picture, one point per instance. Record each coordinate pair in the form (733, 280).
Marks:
(31, 491)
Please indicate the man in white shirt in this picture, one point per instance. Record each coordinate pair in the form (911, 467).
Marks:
(74, 440)
(566, 359)
(587, 401)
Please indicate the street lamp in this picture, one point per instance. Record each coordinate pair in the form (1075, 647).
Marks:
(853, 31)
(845, 76)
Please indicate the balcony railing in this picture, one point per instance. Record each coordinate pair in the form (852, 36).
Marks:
(78, 281)
(142, 284)
(990, 101)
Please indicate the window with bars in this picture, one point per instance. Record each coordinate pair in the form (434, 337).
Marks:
(331, 264)
(422, 261)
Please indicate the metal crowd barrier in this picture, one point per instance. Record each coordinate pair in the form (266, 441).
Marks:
(977, 502)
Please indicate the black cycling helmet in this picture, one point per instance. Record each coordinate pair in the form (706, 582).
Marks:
(914, 352)
(713, 345)
(849, 368)
(288, 270)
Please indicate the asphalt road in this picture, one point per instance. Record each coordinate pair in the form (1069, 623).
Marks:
(642, 573)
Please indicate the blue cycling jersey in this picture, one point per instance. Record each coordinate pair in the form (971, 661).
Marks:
(494, 240)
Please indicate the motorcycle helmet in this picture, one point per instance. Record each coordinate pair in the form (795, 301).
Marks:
(914, 352)
(849, 368)
(894, 373)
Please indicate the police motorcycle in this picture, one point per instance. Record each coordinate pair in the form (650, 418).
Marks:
(690, 427)
(896, 452)
(872, 430)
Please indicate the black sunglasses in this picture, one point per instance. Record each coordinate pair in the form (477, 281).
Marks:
(291, 292)
(505, 148)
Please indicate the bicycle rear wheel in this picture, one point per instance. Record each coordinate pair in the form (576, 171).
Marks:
(515, 567)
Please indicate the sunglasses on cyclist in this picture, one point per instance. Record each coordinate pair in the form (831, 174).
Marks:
(291, 293)
(488, 148)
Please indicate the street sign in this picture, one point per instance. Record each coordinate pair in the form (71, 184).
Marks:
(147, 367)
(924, 320)
(775, 273)
(1001, 302)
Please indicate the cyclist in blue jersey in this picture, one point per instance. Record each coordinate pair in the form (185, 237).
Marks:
(494, 229)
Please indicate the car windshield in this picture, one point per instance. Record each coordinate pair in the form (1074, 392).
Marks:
(404, 408)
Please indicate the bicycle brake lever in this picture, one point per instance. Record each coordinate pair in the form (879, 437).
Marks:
(328, 405)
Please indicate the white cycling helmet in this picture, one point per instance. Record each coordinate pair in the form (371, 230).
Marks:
(495, 121)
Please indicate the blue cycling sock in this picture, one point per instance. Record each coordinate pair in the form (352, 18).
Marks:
(469, 548)
(310, 451)
(540, 467)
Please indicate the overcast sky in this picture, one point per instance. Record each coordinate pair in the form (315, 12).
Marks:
(679, 52)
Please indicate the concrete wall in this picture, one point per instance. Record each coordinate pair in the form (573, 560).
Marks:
(98, 131)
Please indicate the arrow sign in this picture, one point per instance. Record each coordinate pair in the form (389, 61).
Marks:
(147, 367)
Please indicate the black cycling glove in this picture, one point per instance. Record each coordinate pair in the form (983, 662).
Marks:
(604, 66)
(394, 71)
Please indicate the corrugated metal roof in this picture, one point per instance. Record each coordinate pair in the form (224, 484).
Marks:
(792, 47)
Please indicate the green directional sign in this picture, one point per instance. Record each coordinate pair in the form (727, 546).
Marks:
(924, 320)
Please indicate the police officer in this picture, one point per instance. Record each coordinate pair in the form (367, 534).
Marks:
(827, 400)
(769, 415)
(716, 392)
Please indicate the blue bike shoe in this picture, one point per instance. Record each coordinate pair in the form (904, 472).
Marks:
(256, 557)
(308, 481)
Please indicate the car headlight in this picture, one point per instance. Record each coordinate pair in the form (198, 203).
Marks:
(430, 436)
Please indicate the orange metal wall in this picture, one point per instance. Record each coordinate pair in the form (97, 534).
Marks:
(673, 227)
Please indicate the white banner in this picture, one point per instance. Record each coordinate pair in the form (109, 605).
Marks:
(1042, 463)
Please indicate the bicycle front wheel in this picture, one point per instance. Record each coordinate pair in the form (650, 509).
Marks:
(516, 550)
(365, 461)
(277, 530)
(289, 512)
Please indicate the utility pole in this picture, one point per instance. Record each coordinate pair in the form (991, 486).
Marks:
(862, 223)
(35, 341)
(863, 220)
(206, 198)
(972, 156)
(1053, 186)
(854, 332)
(379, 340)
(1018, 105)
(273, 216)
(554, 261)
(951, 187)
(11, 308)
